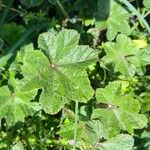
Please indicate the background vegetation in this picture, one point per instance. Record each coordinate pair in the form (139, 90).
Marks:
(75, 74)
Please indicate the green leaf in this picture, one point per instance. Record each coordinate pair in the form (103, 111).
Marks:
(31, 3)
(146, 3)
(103, 10)
(120, 112)
(88, 133)
(146, 103)
(123, 54)
(15, 104)
(18, 146)
(67, 131)
(3, 60)
(92, 133)
(116, 22)
(145, 56)
(145, 134)
(61, 72)
(120, 142)
(11, 33)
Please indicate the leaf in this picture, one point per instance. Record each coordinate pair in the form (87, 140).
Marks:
(103, 10)
(145, 134)
(67, 131)
(86, 9)
(146, 103)
(92, 133)
(4, 59)
(123, 54)
(15, 104)
(88, 133)
(141, 43)
(146, 3)
(121, 112)
(120, 142)
(116, 22)
(61, 72)
(11, 33)
(31, 3)
(145, 56)
(18, 146)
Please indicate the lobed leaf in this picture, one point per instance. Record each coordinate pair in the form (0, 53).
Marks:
(116, 22)
(59, 69)
(123, 55)
(15, 104)
(121, 113)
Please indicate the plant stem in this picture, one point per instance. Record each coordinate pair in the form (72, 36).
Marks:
(61, 121)
(135, 12)
(76, 124)
(12, 9)
(63, 10)
(8, 138)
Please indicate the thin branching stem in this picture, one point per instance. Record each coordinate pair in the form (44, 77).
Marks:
(12, 9)
(76, 124)
(63, 10)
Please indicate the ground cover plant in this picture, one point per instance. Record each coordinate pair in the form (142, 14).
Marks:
(75, 74)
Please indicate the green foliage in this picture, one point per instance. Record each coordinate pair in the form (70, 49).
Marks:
(123, 54)
(103, 10)
(31, 3)
(11, 33)
(74, 75)
(52, 1)
(146, 3)
(15, 104)
(116, 22)
(62, 68)
(120, 142)
(146, 102)
(121, 111)
(145, 56)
